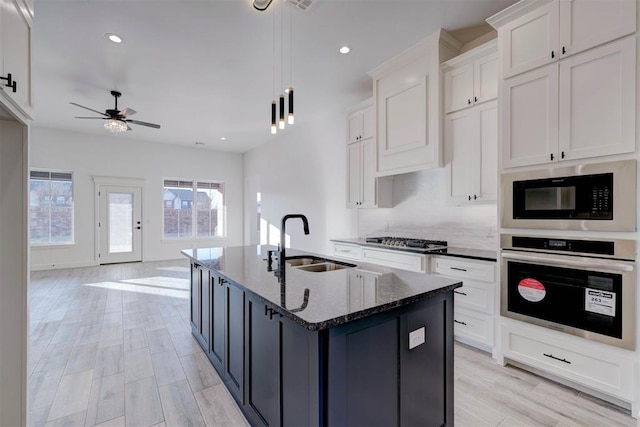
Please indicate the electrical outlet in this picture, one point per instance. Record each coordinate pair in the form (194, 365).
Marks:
(416, 338)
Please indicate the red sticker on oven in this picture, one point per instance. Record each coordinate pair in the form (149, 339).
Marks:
(531, 290)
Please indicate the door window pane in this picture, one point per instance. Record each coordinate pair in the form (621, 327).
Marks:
(120, 222)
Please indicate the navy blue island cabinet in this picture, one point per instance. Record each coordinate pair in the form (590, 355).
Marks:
(387, 362)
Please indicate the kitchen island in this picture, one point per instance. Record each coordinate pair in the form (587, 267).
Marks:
(301, 346)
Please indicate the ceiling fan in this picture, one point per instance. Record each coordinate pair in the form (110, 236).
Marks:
(116, 120)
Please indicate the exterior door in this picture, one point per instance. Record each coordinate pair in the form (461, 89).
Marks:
(120, 224)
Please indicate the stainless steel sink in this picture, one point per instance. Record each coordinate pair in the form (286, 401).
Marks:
(316, 264)
(296, 262)
(325, 266)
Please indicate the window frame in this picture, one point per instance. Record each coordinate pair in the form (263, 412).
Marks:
(194, 214)
(50, 245)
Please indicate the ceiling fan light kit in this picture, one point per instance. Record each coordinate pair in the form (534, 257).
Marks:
(116, 121)
(115, 125)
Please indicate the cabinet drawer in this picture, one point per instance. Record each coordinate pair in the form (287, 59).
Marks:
(473, 325)
(475, 295)
(343, 250)
(395, 259)
(465, 269)
(592, 365)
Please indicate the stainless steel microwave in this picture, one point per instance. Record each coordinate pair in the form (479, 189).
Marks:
(599, 197)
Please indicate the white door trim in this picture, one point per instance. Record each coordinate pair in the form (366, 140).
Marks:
(120, 182)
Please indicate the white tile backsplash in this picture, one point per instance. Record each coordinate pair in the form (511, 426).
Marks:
(420, 210)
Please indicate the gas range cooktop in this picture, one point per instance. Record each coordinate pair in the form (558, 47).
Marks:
(408, 243)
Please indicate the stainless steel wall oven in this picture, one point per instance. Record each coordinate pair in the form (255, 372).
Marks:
(585, 287)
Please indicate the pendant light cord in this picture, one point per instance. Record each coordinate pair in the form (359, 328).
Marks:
(290, 48)
(281, 44)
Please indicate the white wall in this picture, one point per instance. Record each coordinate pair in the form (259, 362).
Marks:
(113, 156)
(301, 170)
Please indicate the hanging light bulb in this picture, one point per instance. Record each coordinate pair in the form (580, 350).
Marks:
(290, 117)
(274, 129)
(281, 121)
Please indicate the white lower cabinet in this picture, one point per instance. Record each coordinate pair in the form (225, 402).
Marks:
(474, 305)
(385, 257)
(396, 259)
(603, 368)
(348, 251)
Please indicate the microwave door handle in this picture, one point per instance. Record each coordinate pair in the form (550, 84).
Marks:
(590, 263)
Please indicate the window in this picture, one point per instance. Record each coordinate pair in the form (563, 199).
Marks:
(182, 211)
(51, 207)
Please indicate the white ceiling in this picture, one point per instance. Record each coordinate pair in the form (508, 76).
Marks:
(204, 69)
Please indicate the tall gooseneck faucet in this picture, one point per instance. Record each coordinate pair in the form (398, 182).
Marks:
(305, 224)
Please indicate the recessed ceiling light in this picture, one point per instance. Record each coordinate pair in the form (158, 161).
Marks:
(199, 143)
(345, 49)
(114, 37)
(223, 138)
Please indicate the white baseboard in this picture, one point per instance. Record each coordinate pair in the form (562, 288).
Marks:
(41, 267)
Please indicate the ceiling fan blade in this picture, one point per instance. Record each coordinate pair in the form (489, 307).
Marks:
(137, 122)
(99, 118)
(129, 128)
(90, 109)
(128, 112)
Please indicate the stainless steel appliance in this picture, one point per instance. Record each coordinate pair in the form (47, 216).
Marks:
(420, 245)
(584, 287)
(599, 196)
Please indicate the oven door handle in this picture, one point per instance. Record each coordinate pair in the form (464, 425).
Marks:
(590, 263)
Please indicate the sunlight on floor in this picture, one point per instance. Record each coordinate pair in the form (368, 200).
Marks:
(165, 286)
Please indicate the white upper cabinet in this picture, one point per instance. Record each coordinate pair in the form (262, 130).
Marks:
(582, 107)
(530, 41)
(539, 32)
(588, 23)
(361, 125)
(597, 110)
(408, 102)
(471, 140)
(15, 56)
(530, 117)
(471, 78)
(577, 100)
(364, 190)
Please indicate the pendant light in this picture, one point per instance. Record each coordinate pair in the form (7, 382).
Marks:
(290, 117)
(281, 121)
(274, 129)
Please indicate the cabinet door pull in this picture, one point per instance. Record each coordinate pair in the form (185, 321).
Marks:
(469, 197)
(562, 155)
(551, 156)
(458, 268)
(468, 101)
(475, 99)
(475, 197)
(461, 293)
(556, 358)
(553, 54)
(457, 321)
(564, 51)
(10, 82)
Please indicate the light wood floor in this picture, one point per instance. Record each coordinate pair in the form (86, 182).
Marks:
(111, 346)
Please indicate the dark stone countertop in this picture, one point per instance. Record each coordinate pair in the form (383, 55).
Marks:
(479, 254)
(334, 297)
